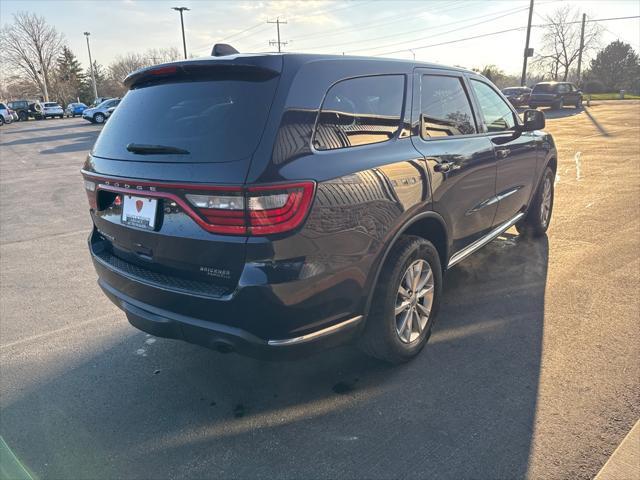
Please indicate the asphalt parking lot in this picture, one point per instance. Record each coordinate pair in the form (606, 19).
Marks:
(532, 369)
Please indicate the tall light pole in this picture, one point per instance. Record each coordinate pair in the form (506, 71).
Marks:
(93, 75)
(184, 42)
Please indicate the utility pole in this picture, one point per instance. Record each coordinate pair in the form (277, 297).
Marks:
(279, 43)
(184, 42)
(527, 52)
(93, 75)
(584, 19)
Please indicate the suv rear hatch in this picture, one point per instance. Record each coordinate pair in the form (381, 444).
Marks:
(544, 92)
(173, 156)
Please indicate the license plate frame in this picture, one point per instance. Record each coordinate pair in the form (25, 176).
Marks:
(139, 212)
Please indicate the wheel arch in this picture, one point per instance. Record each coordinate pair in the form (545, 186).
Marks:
(428, 225)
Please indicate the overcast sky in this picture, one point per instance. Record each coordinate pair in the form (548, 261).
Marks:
(359, 27)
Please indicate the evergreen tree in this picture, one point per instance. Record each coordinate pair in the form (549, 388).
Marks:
(617, 66)
(68, 78)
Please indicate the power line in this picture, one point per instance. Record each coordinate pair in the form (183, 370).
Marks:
(508, 12)
(502, 31)
(331, 10)
(243, 31)
(368, 25)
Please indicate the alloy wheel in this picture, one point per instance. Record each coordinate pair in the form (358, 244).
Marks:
(545, 206)
(414, 301)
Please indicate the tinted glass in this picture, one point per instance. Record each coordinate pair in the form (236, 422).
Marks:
(497, 114)
(445, 107)
(215, 120)
(49, 104)
(2, 105)
(563, 88)
(360, 111)
(544, 88)
(512, 91)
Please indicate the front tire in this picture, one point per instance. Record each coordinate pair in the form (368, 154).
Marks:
(536, 222)
(98, 118)
(559, 105)
(405, 303)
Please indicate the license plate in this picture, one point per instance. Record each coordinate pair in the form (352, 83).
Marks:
(139, 211)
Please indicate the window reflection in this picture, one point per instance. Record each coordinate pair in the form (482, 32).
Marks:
(445, 107)
(360, 111)
(497, 114)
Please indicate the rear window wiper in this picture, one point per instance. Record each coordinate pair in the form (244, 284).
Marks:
(144, 149)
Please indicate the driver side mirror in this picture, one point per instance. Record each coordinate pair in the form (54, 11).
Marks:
(533, 120)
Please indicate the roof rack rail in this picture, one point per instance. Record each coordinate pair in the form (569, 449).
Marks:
(222, 49)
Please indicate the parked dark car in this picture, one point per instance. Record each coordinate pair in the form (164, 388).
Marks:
(517, 96)
(21, 107)
(555, 95)
(277, 204)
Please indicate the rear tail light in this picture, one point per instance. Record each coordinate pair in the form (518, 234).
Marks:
(90, 188)
(262, 210)
(254, 210)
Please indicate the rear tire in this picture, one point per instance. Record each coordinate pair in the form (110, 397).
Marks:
(400, 321)
(559, 105)
(1, 120)
(538, 217)
(579, 103)
(23, 116)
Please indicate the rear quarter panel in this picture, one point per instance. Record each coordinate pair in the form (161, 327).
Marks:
(363, 195)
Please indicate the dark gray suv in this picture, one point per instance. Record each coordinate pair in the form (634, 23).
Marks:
(277, 204)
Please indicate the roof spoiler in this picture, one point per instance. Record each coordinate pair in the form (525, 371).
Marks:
(263, 66)
(223, 49)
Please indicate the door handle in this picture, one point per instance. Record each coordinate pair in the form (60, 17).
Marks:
(503, 152)
(444, 167)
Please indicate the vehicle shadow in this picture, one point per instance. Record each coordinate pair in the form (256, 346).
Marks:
(464, 408)
(65, 126)
(79, 142)
(53, 138)
(558, 113)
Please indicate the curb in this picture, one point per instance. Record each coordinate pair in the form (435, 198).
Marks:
(624, 463)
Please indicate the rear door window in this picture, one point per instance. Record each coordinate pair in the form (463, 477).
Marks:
(445, 107)
(544, 88)
(360, 111)
(498, 116)
(216, 119)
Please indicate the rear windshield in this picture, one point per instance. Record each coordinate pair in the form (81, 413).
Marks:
(513, 91)
(545, 88)
(219, 119)
(51, 105)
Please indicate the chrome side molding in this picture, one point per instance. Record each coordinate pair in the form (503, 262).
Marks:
(314, 335)
(481, 242)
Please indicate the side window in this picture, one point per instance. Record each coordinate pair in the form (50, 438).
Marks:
(497, 114)
(360, 111)
(563, 88)
(2, 106)
(444, 107)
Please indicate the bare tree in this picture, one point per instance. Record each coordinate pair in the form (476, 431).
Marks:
(123, 65)
(31, 47)
(561, 42)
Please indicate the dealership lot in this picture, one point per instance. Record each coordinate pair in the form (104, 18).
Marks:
(531, 370)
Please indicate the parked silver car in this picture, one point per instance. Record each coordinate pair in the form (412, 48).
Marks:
(5, 115)
(100, 113)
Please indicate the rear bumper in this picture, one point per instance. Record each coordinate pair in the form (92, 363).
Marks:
(151, 309)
